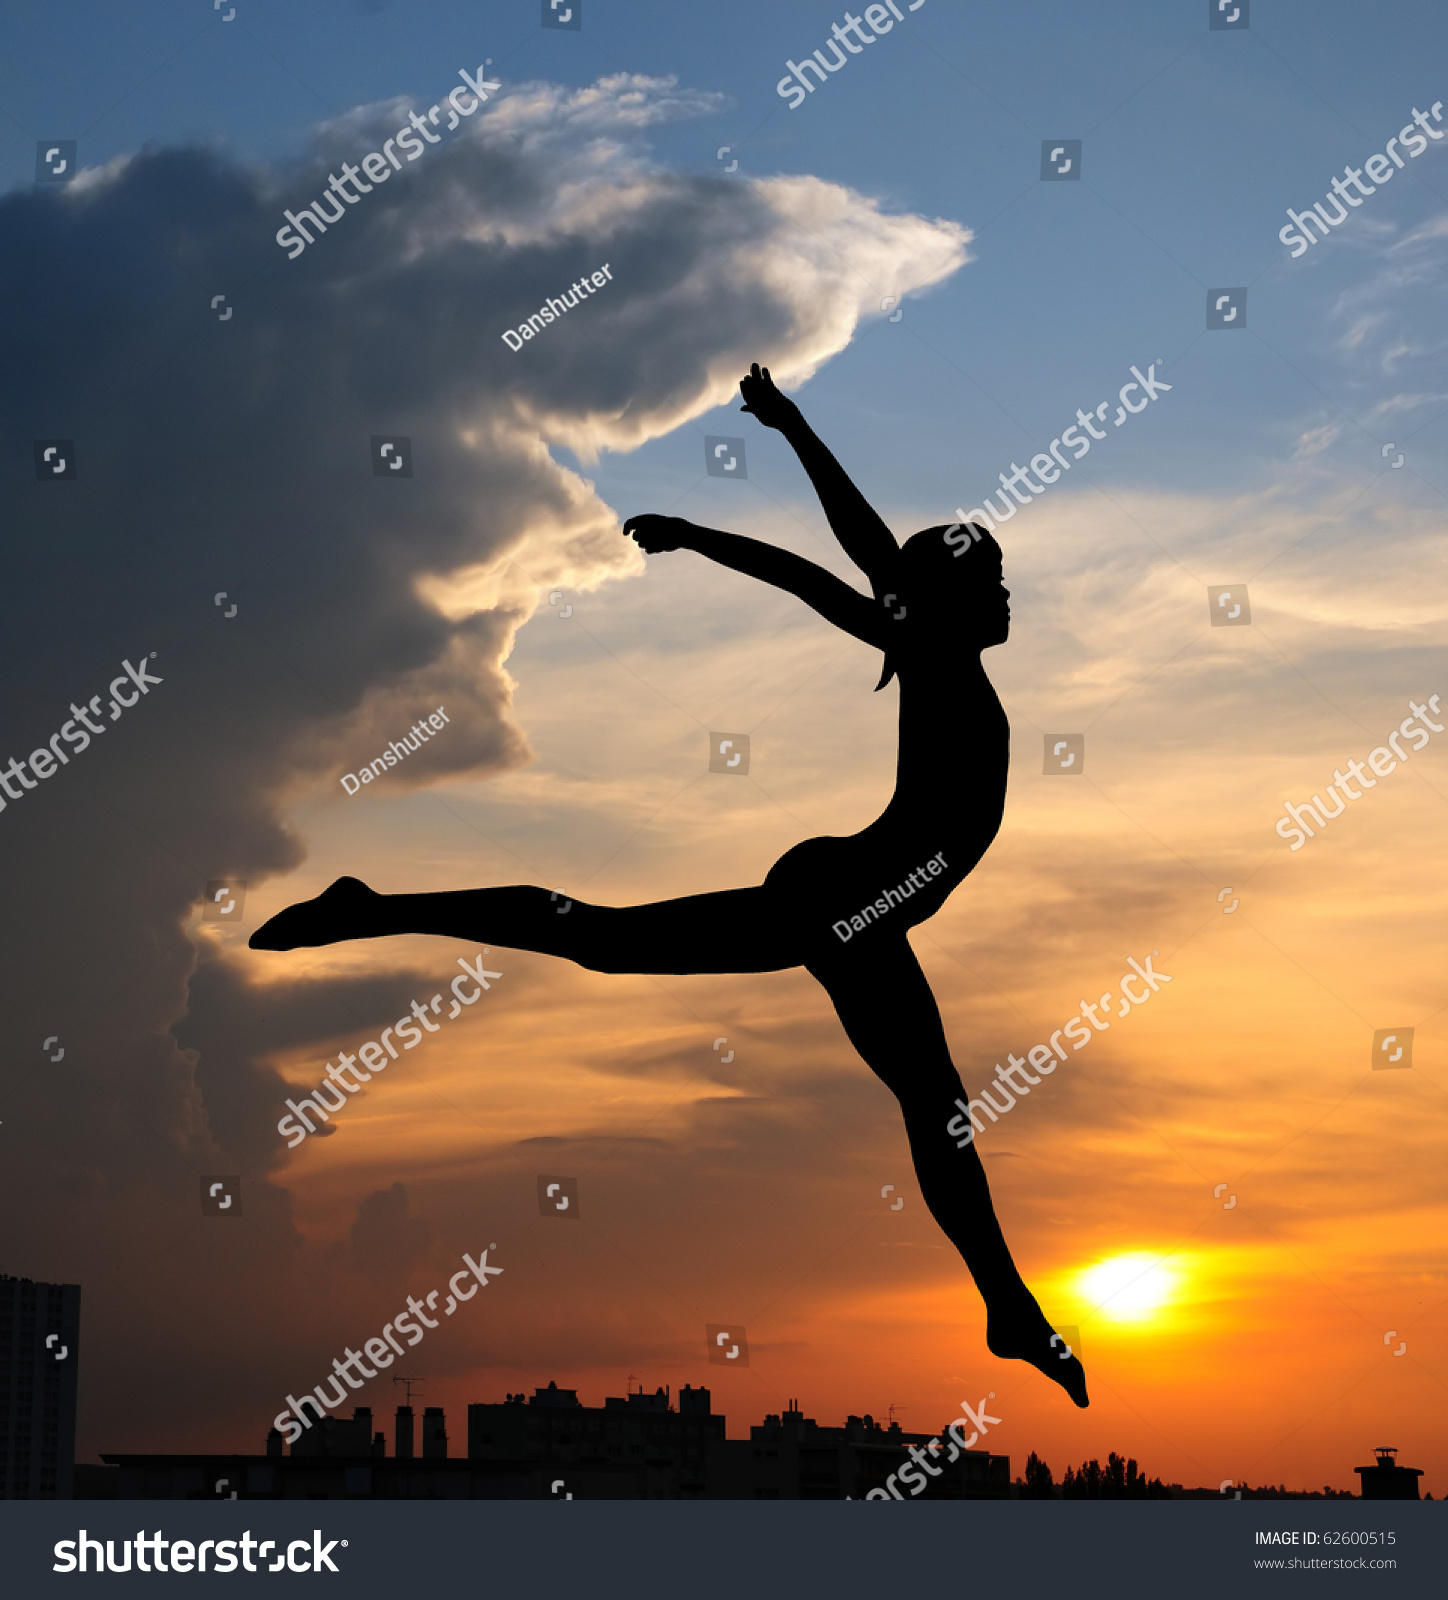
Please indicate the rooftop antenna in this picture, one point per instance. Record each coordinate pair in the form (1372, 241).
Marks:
(407, 1385)
(631, 1377)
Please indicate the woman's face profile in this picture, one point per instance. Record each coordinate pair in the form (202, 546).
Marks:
(961, 599)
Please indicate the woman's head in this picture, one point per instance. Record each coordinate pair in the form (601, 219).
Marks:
(952, 575)
(950, 585)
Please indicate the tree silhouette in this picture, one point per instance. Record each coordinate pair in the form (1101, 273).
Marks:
(1117, 1480)
(1039, 1484)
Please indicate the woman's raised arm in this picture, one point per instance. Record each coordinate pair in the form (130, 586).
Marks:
(863, 536)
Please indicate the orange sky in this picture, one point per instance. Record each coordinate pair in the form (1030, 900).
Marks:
(1249, 1339)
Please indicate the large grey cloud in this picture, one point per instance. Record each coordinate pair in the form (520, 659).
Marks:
(233, 455)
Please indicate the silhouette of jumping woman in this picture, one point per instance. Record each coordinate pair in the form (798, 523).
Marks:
(839, 907)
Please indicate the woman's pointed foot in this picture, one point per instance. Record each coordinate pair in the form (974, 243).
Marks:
(1023, 1334)
(346, 910)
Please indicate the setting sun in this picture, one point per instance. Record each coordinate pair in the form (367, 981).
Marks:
(1129, 1288)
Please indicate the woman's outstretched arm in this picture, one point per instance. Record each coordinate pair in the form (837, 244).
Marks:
(855, 523)
(834, 599)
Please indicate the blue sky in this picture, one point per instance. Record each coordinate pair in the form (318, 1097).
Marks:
(1195, 143)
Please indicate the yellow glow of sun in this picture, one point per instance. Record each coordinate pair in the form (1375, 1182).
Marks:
(1129, 1288)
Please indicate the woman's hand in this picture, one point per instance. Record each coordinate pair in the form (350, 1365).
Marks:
(763, 400)
(656, 533)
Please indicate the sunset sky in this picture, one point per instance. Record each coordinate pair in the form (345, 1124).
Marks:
(1244, 1219)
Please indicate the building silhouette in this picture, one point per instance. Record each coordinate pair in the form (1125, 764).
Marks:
(1387, 1480)
(790, 1457)
(635, 1447)
(39, 1349)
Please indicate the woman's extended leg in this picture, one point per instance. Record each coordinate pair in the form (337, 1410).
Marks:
(736, 930)
(891, 1018)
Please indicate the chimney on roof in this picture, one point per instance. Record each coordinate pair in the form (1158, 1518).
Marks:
(694, 1401)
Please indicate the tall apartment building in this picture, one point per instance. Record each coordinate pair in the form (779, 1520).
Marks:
(39, 1349)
